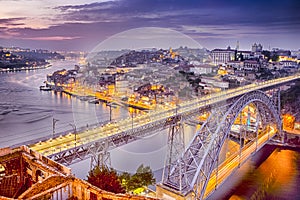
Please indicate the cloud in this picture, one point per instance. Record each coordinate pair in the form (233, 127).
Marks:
(215, 19)
(52, 38)
(11, 21)
(91, 6)
(174, 14)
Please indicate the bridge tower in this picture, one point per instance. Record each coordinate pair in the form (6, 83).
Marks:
(175, 143)
(275, 96)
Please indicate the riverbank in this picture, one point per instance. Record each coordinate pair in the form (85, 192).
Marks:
(4, 70)
(92, 96)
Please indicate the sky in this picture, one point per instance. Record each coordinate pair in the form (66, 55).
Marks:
(84, 24)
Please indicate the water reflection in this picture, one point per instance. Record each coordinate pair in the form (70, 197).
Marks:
(276, 176)
(273, 173)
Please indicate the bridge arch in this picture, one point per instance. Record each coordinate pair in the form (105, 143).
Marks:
(193, 169)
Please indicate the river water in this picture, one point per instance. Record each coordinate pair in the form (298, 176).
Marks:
(27, 113)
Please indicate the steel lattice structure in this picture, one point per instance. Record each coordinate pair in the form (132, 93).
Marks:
(98, 150)
(190, 174)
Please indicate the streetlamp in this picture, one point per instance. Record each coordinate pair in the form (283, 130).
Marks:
(131, 114)
(74, 129)
(110, 106)
(177, 106)
(132, 121)
(53, 125)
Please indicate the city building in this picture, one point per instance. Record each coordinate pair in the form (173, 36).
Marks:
(251, 65)
(244, 55)
(235, 64)
(214, 82)
(281, 52)
(256, 47)
(202, 69)
(221, 56)
(287, 63)
(121, 87)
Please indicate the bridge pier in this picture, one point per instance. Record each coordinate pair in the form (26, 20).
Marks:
(284, 136)
(165, 193)
(175, 144)
(276, 99)
(101, 159)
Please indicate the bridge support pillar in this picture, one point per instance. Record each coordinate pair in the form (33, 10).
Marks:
(175, 145)
(101, 159)
(164, 193)
(277, 103)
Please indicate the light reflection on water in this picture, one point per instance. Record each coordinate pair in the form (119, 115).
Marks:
(26, 112)
(273, 173)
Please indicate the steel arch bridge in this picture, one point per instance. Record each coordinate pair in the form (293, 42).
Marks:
(190, 174)
(96, 140)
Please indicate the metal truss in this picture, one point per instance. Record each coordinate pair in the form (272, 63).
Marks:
(175, 143)
(102, 158)
(102, 146)
(93, 148)
(191, 172)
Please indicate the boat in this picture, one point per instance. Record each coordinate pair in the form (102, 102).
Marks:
(94, 100)
(45, 88)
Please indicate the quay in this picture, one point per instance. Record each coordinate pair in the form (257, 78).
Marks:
(292, 140)
(24, 68)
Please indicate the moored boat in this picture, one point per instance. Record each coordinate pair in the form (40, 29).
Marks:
(45, 88)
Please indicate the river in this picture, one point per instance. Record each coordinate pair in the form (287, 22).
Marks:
(27, 113)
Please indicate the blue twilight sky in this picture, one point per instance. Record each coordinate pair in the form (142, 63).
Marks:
(82, 24)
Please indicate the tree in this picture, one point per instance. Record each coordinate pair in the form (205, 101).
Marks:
(109, 180)
(106, 179)
(142, 178)
(270, 55)
(124, 178)
(135, 183)
(267, 54)
(146, 175)
(274, 57)
(291, 97)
